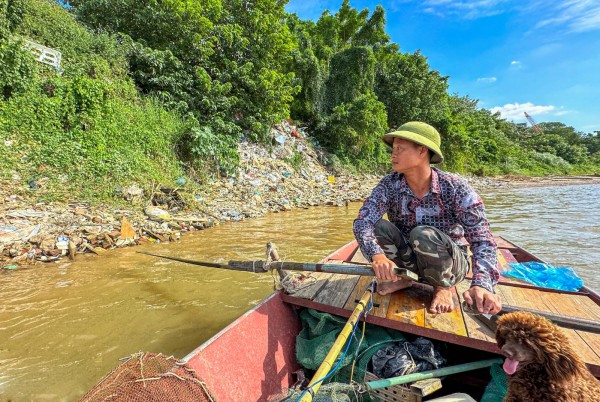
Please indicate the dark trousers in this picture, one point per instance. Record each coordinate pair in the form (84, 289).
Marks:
(428, 252)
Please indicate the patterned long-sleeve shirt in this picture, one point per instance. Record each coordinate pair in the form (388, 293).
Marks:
(451, 205)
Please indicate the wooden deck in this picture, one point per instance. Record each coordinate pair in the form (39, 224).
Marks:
(406, 310)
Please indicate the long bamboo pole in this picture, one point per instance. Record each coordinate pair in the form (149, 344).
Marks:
(339, 343)
(459, 368)
(259, 266)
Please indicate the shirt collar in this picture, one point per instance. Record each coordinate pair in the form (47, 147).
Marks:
(434, 188)
(435, 182)
(404, 185)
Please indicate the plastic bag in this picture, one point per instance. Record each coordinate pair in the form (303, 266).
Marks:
(544, 275)
(405, 358)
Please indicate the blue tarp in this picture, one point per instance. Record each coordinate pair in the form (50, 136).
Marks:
(544, 275)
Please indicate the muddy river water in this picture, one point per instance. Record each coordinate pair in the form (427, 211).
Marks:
(64, 325)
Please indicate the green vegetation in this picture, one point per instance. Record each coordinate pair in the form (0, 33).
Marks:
(85, 128)
(150, 91)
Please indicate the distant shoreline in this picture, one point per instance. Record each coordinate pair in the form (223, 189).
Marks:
(528, 181)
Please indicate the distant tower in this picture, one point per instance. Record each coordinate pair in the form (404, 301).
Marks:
(533, 123)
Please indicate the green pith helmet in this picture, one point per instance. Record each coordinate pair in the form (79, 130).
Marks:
(422, 134)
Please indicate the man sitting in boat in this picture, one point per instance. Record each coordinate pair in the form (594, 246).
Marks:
(432, 215)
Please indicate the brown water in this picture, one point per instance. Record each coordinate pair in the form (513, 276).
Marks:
(63, 326)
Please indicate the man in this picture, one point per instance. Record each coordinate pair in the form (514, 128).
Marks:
(430, 213)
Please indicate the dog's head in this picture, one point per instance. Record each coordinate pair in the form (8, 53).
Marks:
(526, 339)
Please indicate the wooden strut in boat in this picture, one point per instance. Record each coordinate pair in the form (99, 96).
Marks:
(263, 266)
(326, 366)
(563, 321)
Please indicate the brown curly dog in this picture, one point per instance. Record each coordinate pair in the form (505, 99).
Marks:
(540, 362)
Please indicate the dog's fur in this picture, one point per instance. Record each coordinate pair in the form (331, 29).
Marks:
(544, 365)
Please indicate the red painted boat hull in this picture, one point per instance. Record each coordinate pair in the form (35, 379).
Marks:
(252, 358)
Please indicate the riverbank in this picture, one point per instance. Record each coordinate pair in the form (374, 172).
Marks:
(292, 173)
(546, 181)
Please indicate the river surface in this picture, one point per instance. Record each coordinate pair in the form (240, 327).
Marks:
(65, 325)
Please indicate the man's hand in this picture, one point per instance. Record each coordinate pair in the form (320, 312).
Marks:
(384, 268)
(486, 301)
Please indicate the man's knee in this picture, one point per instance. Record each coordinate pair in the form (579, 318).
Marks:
(424, 239)
(385, 228)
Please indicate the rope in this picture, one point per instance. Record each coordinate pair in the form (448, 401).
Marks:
(409, 368)
(291, 282)
(370, 305)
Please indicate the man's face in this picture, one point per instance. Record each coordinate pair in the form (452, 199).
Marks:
(407, 155)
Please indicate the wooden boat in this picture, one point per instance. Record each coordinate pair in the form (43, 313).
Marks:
(254, 357)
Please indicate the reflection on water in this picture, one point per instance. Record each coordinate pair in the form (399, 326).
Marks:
(63, 326)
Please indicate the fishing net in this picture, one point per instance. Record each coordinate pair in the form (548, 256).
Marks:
(319, 332)
(332, 392)
(149, 377)
(498, 386)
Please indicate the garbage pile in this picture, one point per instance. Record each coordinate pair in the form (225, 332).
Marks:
(49, 232)
(289, 174)
(292, 172)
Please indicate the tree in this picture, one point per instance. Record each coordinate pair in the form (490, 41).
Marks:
(410, 90)
(591, 142)
(560, 140)
(255, 47)
(222, 60)
(350, 21)
(309, 75)
(352, 73)
(372, 31)
(354, 129)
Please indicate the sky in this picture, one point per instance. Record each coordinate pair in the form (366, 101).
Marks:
(536, 56)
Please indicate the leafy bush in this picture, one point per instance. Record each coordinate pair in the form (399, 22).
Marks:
(85, 130)
(209, 153)
(101, 143)
(354, 130)
(11, 15)
(17, 69)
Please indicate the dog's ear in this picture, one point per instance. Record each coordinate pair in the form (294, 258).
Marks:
(556, 354)
(563, 365)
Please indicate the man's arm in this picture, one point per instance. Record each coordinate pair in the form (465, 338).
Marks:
(471, 215)
(373, 209)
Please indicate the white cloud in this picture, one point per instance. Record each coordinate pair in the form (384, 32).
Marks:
(487, 80)
(573, 15)
(515, 65)
(516, 111)
(468, 9)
